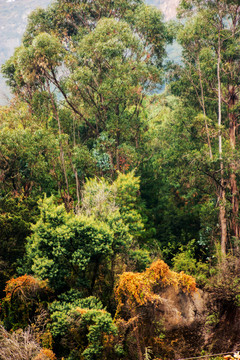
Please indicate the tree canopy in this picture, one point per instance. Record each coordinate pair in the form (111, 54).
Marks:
(119, 168)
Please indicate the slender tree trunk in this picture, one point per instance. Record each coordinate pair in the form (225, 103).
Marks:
(204, 110)
(223, 220)
(117, 142)
(117, 152)
(77, 183)
(235, 207)
(77, 189)
(222, 192)
(74, 131)
(60, 144)
(233, 181)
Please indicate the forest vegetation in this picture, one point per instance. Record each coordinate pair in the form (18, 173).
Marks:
(119, 195)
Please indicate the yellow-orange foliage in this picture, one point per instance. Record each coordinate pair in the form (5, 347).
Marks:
(159, 272)
(45, 354)
(136, 289)
(186, 283)
(84, 311)
(46, 339)
(24, 287)
(81, 311)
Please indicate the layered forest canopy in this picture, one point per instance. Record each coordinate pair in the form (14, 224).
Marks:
(13, 20)
(119, 195)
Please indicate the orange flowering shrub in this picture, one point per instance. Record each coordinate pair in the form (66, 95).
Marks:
(159, 273)
(24, 296)
(45, 354)
(140, 307)
(24, 288)
(136, 289)
(81, 311)
(133, 287)
(186, 282)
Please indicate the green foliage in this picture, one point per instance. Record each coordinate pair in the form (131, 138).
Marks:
(16, 216)
(67, 302)
(208, 37)
(127, 198)
(27, 153)
(128, 176)
(83, 320)
(185, 261)
(212, 319)
(83, 161)
(149, 22)
(169, 184)
(117, 203)
(64, 247)
(73, 250)
(140, 259)
(100, 330)
(109, 61)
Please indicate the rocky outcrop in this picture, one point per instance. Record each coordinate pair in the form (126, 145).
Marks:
(162, 310)
(181, 309)
(183, 315)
